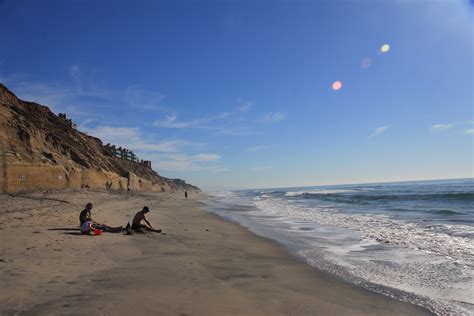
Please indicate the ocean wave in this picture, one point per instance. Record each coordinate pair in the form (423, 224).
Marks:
(221, 194)
(346, 196)
(447, 212)
(268, 192)
(316, 192)
(443, 240)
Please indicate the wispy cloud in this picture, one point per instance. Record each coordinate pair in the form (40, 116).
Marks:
(235, 131)
(379, 130)
(273, 117)
(441, 127)
(138, 97)
(469, 131)
(76, 96)
(260, 148)
(84, 79)
(83, 99)
(130, 137)
(245, 106)
(166, 155)
(171, 121)
(75, 72)
(206, 157)
(183, 162)
(81, 95)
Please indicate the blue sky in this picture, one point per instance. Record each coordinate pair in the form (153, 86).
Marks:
(238, 93)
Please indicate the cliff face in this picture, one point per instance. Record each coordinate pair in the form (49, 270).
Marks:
(39, 150)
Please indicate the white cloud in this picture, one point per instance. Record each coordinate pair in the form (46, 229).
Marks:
(165, 155)
(273, 117)
(440, 127)
(379, 130)
(131, 138)
(184, 162)
(171, 121)
(469, 131)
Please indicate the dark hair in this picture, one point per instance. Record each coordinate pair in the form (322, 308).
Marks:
(89, 205)
(145, 209)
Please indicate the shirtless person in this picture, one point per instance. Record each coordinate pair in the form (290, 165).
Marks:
(141, 216)
(86, 216)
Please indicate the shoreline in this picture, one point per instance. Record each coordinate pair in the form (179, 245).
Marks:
(203, 264)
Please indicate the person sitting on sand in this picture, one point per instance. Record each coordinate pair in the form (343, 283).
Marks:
(86, 216)
(141, 216)
(87, 227)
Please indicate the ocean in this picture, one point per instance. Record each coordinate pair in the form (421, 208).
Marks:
(413, 241)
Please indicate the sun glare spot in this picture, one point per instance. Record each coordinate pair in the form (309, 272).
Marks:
(336, 85)
(385, 48)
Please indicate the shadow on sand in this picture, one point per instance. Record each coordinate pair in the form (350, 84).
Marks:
(66, 229)
(73, 233)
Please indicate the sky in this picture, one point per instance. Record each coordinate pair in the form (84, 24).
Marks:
(257, 94)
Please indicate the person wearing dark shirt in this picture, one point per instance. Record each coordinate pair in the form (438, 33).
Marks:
(86, 216)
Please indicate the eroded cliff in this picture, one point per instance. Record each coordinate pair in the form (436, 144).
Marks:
(40, 150)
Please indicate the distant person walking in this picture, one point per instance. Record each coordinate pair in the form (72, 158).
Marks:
(186, 195)
(137, 222)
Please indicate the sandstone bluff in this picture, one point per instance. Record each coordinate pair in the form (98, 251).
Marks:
(40, 150)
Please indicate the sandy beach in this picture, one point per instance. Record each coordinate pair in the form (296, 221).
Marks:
(200, 264)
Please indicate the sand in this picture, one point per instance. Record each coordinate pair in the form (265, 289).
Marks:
(200, 265)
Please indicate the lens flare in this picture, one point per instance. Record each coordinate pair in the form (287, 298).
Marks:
(385, 48)
(365, 63)
(336, 85)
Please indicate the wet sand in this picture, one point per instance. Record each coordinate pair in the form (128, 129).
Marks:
(200, 265)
